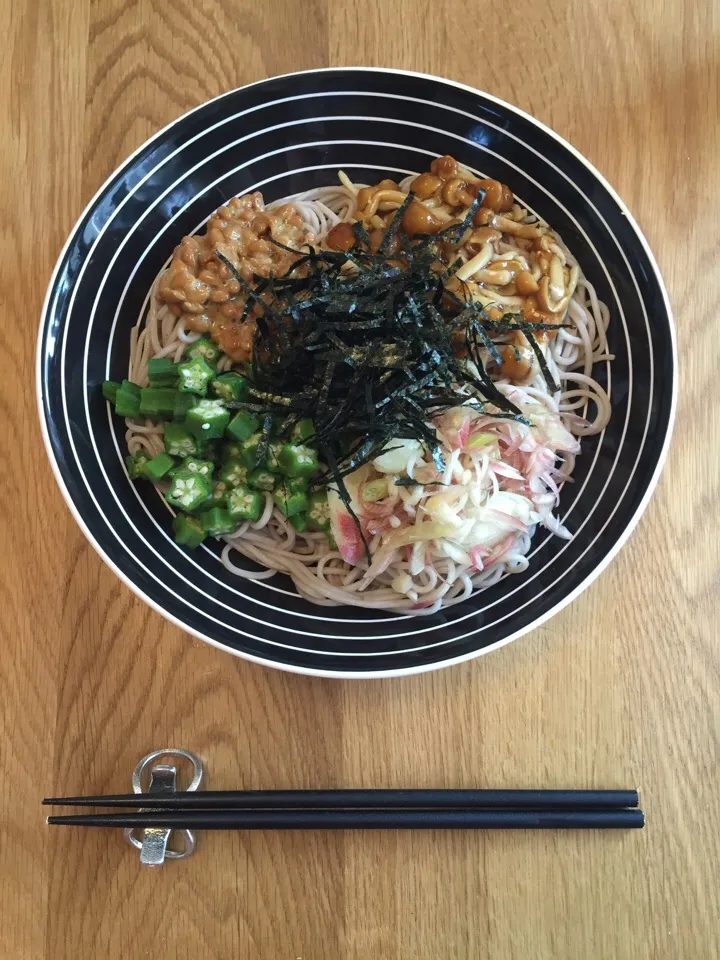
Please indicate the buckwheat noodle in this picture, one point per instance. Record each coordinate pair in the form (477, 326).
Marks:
(419, 583)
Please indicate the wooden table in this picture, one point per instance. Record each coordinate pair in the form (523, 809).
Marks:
(620, 689)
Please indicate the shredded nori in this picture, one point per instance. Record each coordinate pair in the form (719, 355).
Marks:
(410, 482)
(371, 353)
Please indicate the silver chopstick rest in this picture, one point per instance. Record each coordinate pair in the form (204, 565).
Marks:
(155, 846)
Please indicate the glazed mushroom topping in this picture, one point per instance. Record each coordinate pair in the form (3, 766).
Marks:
(519, 362)
(538, 284)
(425, 186)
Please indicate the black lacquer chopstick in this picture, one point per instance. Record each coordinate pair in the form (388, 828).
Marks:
(365, 819)
(368, 799)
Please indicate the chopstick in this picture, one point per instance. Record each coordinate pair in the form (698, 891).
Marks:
(378, 819)
(362, 809)
(369, 799)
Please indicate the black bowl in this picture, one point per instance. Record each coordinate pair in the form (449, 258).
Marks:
(282, 136)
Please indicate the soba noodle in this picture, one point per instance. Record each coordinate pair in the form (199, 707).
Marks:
(423, 578)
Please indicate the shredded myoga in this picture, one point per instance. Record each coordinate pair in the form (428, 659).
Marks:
(444, 386)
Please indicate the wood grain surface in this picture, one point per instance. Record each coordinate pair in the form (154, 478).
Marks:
(620, 689)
